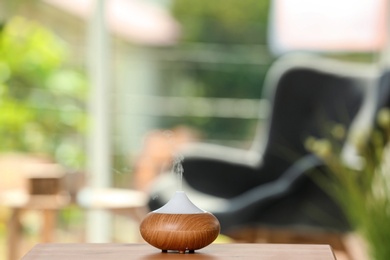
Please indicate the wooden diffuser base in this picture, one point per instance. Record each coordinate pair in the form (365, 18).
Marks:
(179, 232)
(179, 225)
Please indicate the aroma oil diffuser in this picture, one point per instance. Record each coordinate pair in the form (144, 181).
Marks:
(179, 225)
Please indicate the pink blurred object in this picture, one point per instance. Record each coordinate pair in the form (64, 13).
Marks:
(134, 20)
(331, 25)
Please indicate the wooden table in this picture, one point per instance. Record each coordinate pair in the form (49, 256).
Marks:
(212, 252)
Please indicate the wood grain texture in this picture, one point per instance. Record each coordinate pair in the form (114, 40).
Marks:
(179, 231)
(212, 252)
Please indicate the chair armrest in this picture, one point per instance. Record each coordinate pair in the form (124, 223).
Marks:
(206, 166)
(219, 178)
(269, 192)
(221, 153)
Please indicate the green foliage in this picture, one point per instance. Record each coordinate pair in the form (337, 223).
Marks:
(41, 98)
(363, 191)
(223, 21)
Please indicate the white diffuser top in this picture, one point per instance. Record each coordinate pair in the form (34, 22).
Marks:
(179, 204)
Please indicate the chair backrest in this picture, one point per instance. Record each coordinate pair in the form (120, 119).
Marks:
(383, 94)
(309, 97)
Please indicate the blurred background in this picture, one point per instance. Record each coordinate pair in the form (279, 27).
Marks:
(99, 94)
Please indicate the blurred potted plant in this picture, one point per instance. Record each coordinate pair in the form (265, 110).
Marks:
(364, 191)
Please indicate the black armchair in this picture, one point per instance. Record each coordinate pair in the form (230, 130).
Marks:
(269, 185)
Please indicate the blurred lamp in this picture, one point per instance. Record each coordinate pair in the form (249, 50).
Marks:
(328, 26)
(136, 21)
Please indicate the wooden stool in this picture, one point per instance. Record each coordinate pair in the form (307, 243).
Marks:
(124, 202)
(120, 201)
(44, 192)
